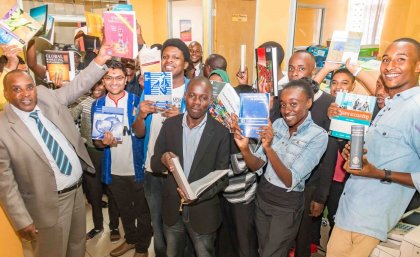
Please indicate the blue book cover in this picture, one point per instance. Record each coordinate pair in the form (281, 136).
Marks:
(254, 112)
(158, 88)
(108, 119)
(122, 7)
(354, 110)
(40, 14)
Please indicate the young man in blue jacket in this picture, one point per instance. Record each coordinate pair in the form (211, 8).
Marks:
(122, 165)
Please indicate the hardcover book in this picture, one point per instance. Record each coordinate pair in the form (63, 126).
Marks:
(40, 14)
(120, 31)
(344, 45)
(224, 104)
(355, 110)
(17, 27)
(150, 60)
(94, 24)
(253, 113)
(49, 30)
(195, 189)
(60, 63)
(266, 58)
(107, 119)
(122, 7)
(158, 88)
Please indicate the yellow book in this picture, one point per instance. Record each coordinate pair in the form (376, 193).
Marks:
(94, 23)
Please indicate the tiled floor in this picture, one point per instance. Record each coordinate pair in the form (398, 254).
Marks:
(100, 246)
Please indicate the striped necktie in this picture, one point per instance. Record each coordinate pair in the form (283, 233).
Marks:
(57, 153)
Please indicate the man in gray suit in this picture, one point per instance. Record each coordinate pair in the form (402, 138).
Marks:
(41, 160)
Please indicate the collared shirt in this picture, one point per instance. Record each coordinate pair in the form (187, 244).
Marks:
(416, 180)
(300, 153)
(122, 155)
(190, 139)
(368, 206)
(62, 181)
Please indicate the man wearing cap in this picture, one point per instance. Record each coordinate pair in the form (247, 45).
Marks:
(175, 58)
(42, 157)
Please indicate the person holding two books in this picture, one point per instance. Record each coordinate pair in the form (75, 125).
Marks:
(290, 148)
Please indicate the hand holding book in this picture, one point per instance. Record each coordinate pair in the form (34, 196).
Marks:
(166, 159)
(368, 170)
(109, 139)
(147, 107)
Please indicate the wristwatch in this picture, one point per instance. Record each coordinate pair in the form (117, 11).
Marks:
(387, 179)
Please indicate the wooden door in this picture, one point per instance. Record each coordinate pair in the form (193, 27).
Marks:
(234, 25)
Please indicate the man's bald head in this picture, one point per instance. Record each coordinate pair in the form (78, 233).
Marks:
(214, 62)
(301, 65)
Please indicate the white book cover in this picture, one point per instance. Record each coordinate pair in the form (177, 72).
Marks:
(195, 189)
(108, 119)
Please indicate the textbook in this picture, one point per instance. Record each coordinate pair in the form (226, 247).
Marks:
(17, 27)
(217, 87)
(122, 7)
(94, 24)
(49, 30)
(355, 110)
(344, 45)
(107, 119)
(224, 103)
(90, 43)
(253, 113)
(158, 88)
(195, 189)
(61, 62)
(266, 58)
(120, 31)
(40, 14)
(150, 60)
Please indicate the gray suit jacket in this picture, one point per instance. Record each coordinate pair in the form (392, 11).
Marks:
(27, 182)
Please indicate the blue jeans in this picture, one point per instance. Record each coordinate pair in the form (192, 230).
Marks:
(177, 236)
(153, 186)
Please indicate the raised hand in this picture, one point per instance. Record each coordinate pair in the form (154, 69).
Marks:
(242, 76)
(333, 110)
(172, 110)
(267, 135)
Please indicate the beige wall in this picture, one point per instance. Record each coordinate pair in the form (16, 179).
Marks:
(402, 19)
(152, 16)
(335, 15)
(10, 244)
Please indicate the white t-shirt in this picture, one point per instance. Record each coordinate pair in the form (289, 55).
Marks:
(156, 125)
(122, 155)
(177, 95)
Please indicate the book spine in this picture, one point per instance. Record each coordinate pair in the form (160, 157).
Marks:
(356, 152)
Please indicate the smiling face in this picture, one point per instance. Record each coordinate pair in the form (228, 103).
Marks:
(196, 52)
(341, 82)
(294, 107)
(173, 61)
(381, 93)
(400, 67)
(114, 82)
(20, 91)
(198, 98)
(301, 65)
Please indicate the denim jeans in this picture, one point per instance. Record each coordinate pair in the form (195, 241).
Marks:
(177, 236)
(153, 186)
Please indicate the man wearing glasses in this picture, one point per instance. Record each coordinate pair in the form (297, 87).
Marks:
(122, 165)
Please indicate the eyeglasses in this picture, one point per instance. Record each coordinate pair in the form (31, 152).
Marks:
(118, 79)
